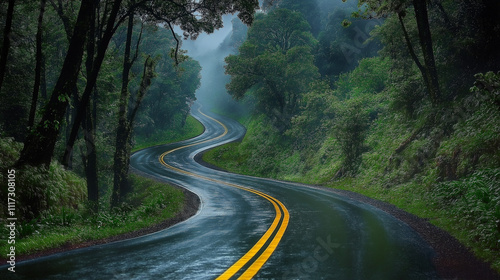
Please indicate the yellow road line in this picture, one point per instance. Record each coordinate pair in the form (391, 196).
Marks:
(261, 260)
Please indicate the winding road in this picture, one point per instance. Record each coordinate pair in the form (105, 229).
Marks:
(247, 227)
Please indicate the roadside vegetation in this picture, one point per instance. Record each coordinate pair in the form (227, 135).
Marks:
(371, 120)
(68, 219)
(191, 128)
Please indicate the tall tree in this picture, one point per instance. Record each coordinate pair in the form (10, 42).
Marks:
(309, 9)
(123, 136)
(110, 16)
(276, 64)
(90, 158)
(122, 146)
(424, 33)
(38, 65)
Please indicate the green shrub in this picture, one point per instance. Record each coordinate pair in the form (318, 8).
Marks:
(476, 200)
(350, 129)
(475, 141)
(40, 189)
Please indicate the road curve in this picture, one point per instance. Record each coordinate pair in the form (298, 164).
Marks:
(247, 227)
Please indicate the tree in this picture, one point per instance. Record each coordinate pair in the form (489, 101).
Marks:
(275, 64)
(17, 86)
(428, 68)
(309, 9)
(112, 23)
(38, 65)
(350, 129)
(311, 123)
(89, 158)
(122, 152)
(340, 48)
(124, 132)
(424, 32)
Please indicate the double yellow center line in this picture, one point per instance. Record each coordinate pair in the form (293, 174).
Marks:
(277, 228)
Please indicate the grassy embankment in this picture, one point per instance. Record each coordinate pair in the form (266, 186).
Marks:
(67, 220)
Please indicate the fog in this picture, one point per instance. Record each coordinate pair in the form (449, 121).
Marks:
(209, 50)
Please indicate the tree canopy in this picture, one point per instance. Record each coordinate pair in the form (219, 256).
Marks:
(275, 63)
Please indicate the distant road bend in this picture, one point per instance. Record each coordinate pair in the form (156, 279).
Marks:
(248, 227)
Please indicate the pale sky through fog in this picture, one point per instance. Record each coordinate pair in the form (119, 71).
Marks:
(206, 42)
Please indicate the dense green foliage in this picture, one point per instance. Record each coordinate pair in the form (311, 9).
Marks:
(276, 63)
(151, 203)
(38, 189)
(164, 107)
(380, 126)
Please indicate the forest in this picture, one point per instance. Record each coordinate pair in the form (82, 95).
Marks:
(82, 85)
(398, 100)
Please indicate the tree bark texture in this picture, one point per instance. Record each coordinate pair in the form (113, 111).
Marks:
(120, 184)
(424, 33)
(39, 145)
(125, 123)
(91, 164)
(123, 146)
(92, 79)
(89, 130)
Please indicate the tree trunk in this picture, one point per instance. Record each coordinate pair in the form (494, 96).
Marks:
(89, 130)
(64, 18)
(6, 41)
(38, 65)
(411, 49)
(39, 145)
(91, 164)
(43, 80)
(424, 34)
(92, 79)
(123, 147)
(123, 132)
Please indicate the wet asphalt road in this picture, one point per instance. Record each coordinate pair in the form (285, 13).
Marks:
(327, 237)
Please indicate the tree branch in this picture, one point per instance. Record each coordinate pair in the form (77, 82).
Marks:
(177, 43)
(410, 46)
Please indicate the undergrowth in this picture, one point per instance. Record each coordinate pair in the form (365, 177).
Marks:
(150, 204)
